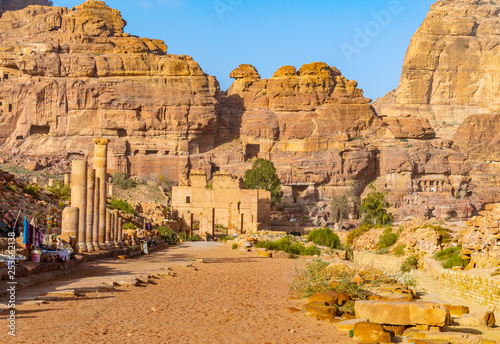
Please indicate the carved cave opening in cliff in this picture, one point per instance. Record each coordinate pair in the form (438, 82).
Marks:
(151, 152)
(297, 191)
(252, 151)
(40, 130)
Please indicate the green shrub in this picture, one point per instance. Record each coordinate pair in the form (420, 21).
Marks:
(288, 246)
(12, 187)
(61, 191)
(121, 205)
(387, 239)
(122, 180)
(411, 263)
(451, 257)
(32, 190)
(399, 250)
(129, 225)
(185, 237)
(324, 237)
(315, 278)
(234, 246)
(373, 208)
(169, 235)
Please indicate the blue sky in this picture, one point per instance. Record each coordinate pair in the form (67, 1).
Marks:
(365, 39)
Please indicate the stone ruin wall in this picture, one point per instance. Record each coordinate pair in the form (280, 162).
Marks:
(478, 290)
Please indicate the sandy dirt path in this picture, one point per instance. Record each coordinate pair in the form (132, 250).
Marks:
(231, 298)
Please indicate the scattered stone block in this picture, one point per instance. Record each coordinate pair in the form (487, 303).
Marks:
(451, 337)
(60, 294)
(368, 332)
(33, 166)
(265, 254)
(429, 314)
(457, 311)
(395, 330)
(390, 313)
(321, 308)
(478, 319)
(348, 325)
(331, 297)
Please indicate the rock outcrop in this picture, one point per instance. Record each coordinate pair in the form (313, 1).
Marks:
(68, 75)
(452, 66)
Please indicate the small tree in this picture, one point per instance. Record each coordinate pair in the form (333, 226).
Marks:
(340, 207)
(374, 209)
(263, 175)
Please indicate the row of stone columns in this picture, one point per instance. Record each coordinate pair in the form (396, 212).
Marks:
(97, 228)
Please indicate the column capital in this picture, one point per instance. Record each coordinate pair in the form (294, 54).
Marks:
(100, 141)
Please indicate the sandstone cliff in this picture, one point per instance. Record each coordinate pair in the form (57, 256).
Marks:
(72, 74)
(452, 66)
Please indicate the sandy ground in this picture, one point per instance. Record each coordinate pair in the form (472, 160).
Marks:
(231, 298)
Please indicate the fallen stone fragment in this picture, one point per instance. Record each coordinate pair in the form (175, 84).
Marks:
(457, 311)
(451, 337)
(368, 332)
(480, 319)
(348, 325)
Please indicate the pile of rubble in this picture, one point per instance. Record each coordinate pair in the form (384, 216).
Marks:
(481, 238)
(391, 311)
(12, 197)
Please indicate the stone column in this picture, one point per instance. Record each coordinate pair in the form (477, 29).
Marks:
(120, 233)
(100, 165)
(79, 199)
(95, 231)
(241, 224)
(70, 222)
(51, 182)
(117, 240)
(90, 208)
(211, 221)
(190, 223)
(66, 179)
(109, 231)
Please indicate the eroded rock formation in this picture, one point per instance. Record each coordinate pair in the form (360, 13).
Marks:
(452, 67)
(71, 75)
(78, 75)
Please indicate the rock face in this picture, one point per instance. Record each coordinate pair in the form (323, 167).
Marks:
(452, 66)
(68, 75)
(79, 75)
(14, 5)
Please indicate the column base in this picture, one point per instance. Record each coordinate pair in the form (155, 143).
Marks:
(117, 245)
(110, 245)
(102, 246)
(96, 246)
(90, 247)
(82, 247)
(121, 244)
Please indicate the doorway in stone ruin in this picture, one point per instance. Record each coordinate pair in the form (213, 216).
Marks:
(252, 151)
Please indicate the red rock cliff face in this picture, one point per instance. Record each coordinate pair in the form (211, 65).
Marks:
(452, 66)
(79, 75)
(70, 75)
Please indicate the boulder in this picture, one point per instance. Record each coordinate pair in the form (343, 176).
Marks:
(403, 313)
(480, 319)
(368, 332)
